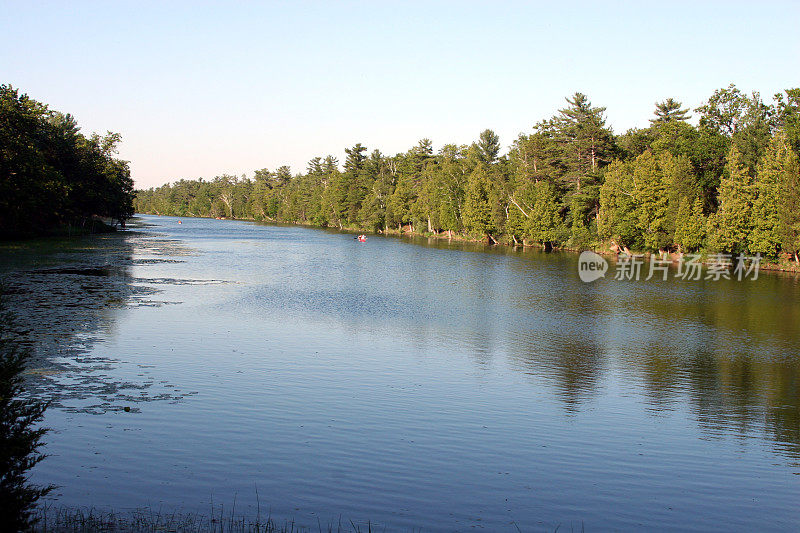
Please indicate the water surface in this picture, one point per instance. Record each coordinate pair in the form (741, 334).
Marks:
(416, 384)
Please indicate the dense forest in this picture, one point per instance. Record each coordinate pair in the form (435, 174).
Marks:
(51, 176)
(729, 184)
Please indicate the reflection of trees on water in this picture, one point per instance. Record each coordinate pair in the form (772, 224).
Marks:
(740, 368)
(728, 351)
(660, 377)
(576, 368)
(748, 395)
(558, 338)
(783, 415)
(573, 365)
(66, 295)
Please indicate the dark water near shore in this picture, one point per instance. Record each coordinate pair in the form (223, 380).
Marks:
(414, 384)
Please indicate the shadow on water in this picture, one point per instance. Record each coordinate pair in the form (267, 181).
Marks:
(66, 295)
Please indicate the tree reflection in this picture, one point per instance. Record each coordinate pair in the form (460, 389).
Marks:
(726, 350)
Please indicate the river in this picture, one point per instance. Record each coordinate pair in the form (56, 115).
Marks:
(412, 383)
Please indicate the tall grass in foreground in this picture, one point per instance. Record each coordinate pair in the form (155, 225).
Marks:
(52, 519)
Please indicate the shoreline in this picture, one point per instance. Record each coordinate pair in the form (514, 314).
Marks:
(787, 266)
(96, 226)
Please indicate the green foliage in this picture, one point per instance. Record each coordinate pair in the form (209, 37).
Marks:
(488, 146)
(669, 111)
(449, 181)
(587, 143)
(20, 439)
(51, 175)
(544, 223)
(640, 200)
(787, 116)
(745, 120)
(691, 227)
(730, 226)
(586, 147)
(724, 110)
(680, 185)
(477, 211)
(730, 184)
(636, 141)
(401, 201)
(763, 237)
(617, 220)
(650, 195)
(777, 208)
(373, 213)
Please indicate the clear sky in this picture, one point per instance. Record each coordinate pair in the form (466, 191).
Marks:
(198, 89)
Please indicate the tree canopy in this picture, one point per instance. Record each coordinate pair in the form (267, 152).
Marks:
(669, 110)
(51, 175)
(727, 184)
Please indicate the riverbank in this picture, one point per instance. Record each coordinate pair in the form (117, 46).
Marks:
(607, 249)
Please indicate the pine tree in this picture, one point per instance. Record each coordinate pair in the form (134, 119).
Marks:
(355, 182)
(729, 227)
(544, 223)
(477, 210)
(669, 111)
(586, 142)
(690, 230)
(587, 145)
(652, 211)
(488, 146)
(764, 237)
(617, 220)
(535, 157)
(789, 193)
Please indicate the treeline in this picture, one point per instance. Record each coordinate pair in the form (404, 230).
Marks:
(729, 184)
(52, 176)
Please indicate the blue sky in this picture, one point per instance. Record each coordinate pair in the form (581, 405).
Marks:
(199, 88)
